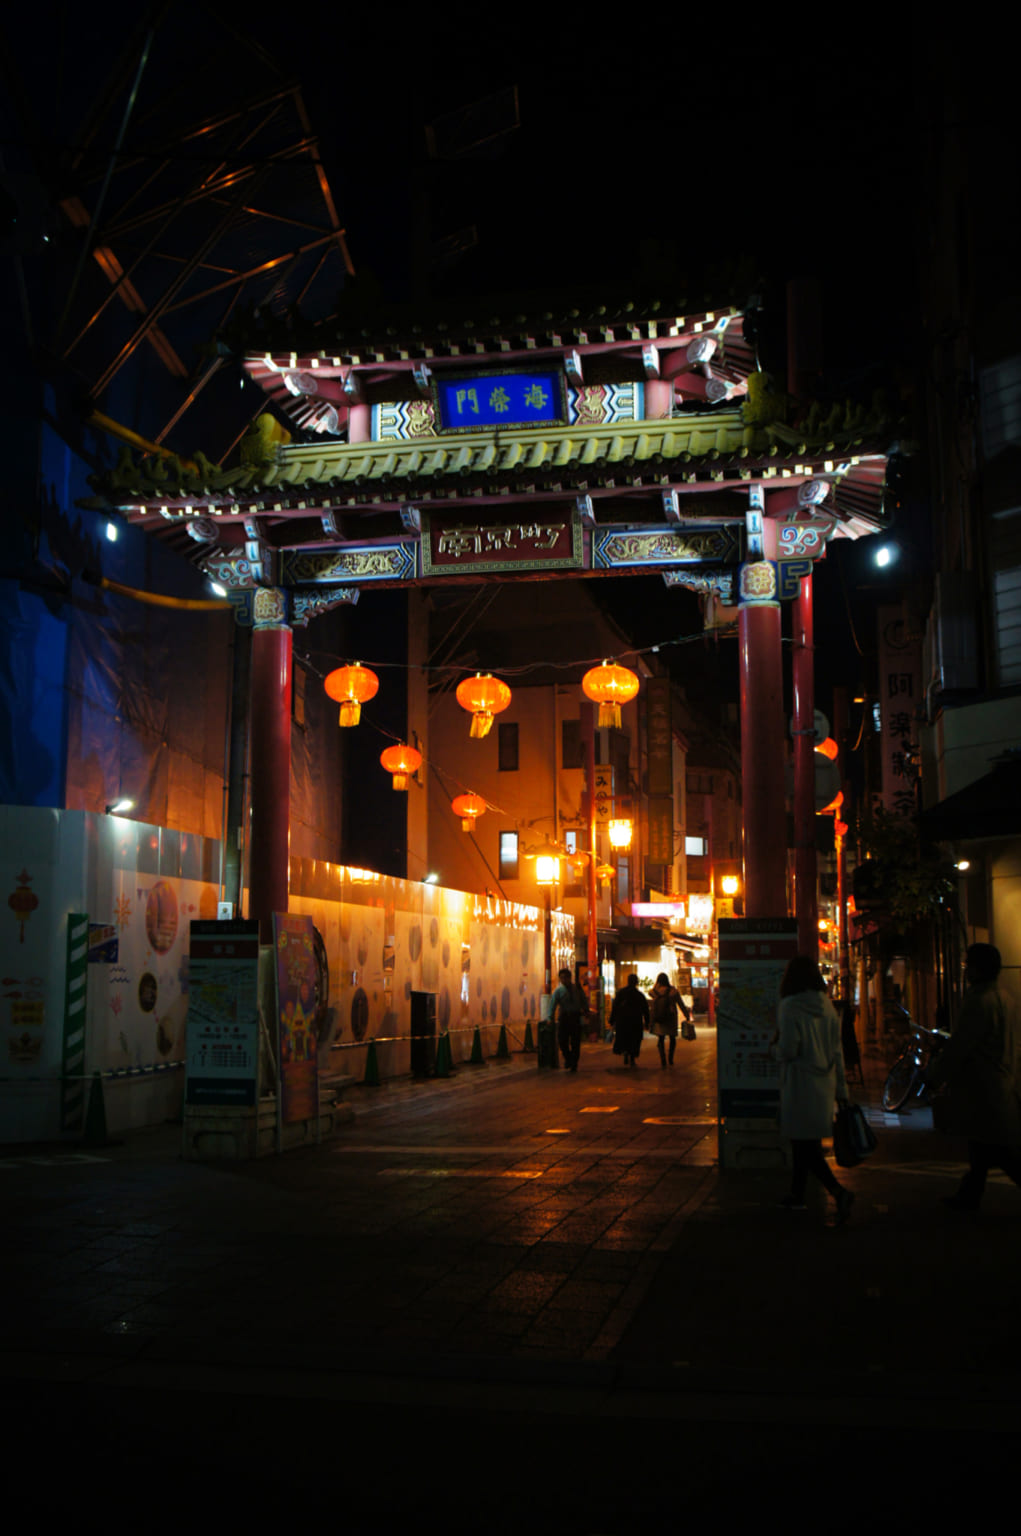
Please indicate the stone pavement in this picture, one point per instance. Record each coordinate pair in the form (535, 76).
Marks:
(478, 1271)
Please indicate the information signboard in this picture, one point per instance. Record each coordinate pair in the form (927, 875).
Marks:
(753, 956)
(223, 1013)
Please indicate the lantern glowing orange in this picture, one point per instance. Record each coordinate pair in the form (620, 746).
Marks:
(620, 832)
(610, 686)
(400, 761)
(604, 872)
(485, 696)
(469, 807)
(352, 687)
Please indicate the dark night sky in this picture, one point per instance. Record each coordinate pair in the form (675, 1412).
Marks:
(694, 154)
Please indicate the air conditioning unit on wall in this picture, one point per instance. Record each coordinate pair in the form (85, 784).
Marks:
(950, 655)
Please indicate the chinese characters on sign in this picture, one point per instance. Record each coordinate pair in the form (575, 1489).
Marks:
(463, 540)
(499, 400)
(223, 1012)
(454, 547)
(899, 700)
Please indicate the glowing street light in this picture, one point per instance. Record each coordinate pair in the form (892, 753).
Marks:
(620, 833)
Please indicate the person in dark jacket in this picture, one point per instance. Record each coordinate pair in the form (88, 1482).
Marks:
(667, 1004)
(568, 1006)
(629, 1017)
(981, 1064)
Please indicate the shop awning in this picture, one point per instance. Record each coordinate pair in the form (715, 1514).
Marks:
(989, 807)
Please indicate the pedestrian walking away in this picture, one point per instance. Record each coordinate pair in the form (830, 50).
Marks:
(568, 1007)
(981, 1068)
(807, 1045)
(667, 1005)
(629, 1018)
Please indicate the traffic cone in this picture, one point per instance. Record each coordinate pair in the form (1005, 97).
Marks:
(502, 1048)
(477, 1059)
(443, 1056)
(95, 1114)
(371, 1078)
(529, 1044)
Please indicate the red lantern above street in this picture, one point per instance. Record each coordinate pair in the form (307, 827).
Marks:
(400, 761)
(469, 807)
(610, 686)
(352, 687)
(485, 696)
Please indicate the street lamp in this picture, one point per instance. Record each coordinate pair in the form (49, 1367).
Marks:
(620, 833)
(547, 873)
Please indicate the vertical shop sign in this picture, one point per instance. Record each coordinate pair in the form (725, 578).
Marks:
(659, 736)
(296, 1008)
(899, 703)
(223, 1013)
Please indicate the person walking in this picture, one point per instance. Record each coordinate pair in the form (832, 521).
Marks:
(807, 1044)
(667, 1004)
(981, 1065)
(629, 1018)
(570, 1002)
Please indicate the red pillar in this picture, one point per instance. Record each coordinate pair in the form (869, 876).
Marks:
(762, 738)
(587, 716)
(714, 930)
(270, 763)
(359, 423)
(806, 903)
(659, 398)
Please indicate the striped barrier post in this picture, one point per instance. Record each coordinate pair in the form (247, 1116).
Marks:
(72, 1088)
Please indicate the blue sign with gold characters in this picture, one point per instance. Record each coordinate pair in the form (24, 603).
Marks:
(477, 402)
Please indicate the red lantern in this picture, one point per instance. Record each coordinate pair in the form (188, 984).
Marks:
(610, 686)
(400, 761)
(485, 696)
(469, 807)
(352, 687)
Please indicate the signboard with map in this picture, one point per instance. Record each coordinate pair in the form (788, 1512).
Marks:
(753, 956)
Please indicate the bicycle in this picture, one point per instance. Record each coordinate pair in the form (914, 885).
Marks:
(906, 1078)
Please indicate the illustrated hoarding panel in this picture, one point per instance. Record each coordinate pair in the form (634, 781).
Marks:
(296, 1007)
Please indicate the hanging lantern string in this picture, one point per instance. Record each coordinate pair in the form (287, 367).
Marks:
(469, 670)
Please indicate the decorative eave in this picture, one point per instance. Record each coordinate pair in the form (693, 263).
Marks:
(641, 462)
(314, 386)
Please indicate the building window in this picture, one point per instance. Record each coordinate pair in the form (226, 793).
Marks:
(694, 847)
(509, 854)
(624, 883)
(571, 751)
(507, 748)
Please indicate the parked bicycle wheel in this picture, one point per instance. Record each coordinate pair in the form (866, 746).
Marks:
(899, 1082)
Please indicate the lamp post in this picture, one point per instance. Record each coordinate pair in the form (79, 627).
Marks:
(547, 873)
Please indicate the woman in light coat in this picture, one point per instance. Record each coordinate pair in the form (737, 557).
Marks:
(807, 1044)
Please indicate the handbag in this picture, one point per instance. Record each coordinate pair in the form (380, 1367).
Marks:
(853, 1137)
(844, 1149)
(687, 1030)
(863, 1137)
